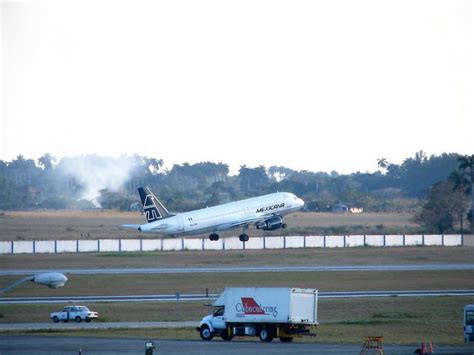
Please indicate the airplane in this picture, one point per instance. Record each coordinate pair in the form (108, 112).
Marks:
(264, 212)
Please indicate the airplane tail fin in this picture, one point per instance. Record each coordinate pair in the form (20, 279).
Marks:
(153, 208)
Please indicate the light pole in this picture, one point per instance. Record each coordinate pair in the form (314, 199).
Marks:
(50, 279)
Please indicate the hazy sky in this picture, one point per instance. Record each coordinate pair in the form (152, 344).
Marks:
(316, 85)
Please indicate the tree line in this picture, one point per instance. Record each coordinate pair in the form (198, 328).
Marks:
(409, 186)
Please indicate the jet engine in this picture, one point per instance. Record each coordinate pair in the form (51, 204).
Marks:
(272, 223)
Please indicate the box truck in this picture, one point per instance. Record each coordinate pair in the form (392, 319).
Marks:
(265, 312)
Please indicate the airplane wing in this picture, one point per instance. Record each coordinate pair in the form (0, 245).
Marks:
(130, 226)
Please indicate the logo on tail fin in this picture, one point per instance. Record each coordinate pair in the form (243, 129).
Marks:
(153, 208)
(151, 212)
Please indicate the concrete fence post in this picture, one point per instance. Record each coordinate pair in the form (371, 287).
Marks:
(264, 242)
(141, 245)
(98, 245)
(423, 240)
(77, 245)
(284, 242)
(404, 240)
(34, 246)
(344, 240)
(324, 241)
(120, 245)
(384, 240)
(202, 244)
(442, 240)
(365, 240)
(182, 244)
(55, 246)
(304, 241)
(161, 244)
(11, 247)
(223, 244)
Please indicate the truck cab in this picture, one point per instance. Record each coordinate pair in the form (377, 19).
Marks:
(213, 324)
(468, 323)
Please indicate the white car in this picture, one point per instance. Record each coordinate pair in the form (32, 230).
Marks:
(77, 313)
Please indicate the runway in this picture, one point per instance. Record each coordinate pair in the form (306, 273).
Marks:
(208, 297)
(273, 268)
(22, 345)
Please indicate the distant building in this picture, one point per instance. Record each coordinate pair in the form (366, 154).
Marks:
(341, 208)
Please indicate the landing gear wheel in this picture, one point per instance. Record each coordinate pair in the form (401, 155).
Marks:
(286, 339)
(244, 238)
(206, 333)
(266, 335)
(214, 237)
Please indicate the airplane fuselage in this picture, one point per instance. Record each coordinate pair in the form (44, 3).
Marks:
(227, 216)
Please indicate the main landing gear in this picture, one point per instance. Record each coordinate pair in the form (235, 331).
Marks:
(244, 237)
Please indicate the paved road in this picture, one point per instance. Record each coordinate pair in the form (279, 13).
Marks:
(203, 297)
(19, 345)
(273, 268)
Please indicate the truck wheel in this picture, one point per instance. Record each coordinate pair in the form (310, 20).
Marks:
(78, 319)
(55, 319)
(266, 334)
(226, 336)
(286, 339)
(205, 333)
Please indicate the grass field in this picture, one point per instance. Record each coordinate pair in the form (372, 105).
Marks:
(49, 225)
(310, 256)
(398, 320)
(129, 284)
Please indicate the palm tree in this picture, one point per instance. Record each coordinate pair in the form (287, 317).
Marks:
(466, 162)
(382, 163)
(460, 183)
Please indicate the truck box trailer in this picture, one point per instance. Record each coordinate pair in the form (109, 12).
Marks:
(266, 312)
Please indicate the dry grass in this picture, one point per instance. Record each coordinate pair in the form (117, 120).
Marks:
(63, 224)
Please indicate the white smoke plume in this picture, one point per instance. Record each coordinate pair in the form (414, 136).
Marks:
(95, 173)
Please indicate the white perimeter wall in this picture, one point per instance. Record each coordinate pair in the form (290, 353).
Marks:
(233, 243)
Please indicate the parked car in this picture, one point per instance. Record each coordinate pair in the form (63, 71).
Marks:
(77, 313)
